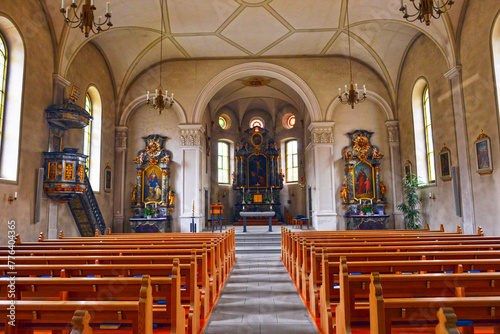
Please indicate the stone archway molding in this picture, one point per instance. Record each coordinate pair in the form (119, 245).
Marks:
(370, 95)
(141, 100)
(252, 69)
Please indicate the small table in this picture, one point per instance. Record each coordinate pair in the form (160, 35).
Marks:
(246, 214)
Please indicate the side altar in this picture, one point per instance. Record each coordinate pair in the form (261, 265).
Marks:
(258, 178)
(363, 193)
(152, 197)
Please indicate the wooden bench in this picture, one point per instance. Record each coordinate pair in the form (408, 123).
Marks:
(420, 311)
(58, 314)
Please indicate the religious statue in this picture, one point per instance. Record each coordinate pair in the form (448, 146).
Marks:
(171, 196)
(344, 193)
(383, 190)
(134, 194)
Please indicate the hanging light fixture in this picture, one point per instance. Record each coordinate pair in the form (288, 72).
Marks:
(426, 9)
(160, 101)
(85, 21)
(351, 96)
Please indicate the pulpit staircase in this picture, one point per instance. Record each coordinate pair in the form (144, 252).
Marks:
(86, 212)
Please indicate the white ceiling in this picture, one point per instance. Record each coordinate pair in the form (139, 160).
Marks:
(253, 29)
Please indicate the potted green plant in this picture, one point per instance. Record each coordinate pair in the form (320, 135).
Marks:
(267, 200)
(409, 207)
(249, 199)
(367, 210)
(148, 212)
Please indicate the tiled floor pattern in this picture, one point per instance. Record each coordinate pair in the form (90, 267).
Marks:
(259, 297)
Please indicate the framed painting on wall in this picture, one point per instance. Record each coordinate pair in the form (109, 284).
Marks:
(363, 181)
(407, 169)
(152, 184)
(445, 163)
(108, 180)
(482, 146)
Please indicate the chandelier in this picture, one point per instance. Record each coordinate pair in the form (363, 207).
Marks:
(426, 9)
(160, 101)
(351, 96)
(85, 21)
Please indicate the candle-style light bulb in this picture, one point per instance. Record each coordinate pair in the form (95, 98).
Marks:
(148, 96)
(356, 86)
(364, 88)
(346, 88)
(67, 11)
(62, 4)
(107, 7)
(340, 92)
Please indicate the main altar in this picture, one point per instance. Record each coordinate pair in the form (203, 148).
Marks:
(258, 178)
(152, 197)
(363, 193)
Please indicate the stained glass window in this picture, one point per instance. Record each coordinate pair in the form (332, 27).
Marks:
(291, 121)
(256, 122)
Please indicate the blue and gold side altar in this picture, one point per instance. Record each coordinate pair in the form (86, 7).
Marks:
(363, 193)
(152, 197)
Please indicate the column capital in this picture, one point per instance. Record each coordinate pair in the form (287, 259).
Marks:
(191, 134)
(322, 132)
(121, 136)
(61, 81)
(453, 72)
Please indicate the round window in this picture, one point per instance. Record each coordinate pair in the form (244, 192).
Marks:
(257, 122)
(291, 121)
(224, 122)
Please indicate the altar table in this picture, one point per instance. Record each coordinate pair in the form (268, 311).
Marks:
(246, 214)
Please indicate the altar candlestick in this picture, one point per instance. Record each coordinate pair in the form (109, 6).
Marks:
(193, 207)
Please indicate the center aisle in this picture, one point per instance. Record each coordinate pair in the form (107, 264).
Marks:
(259, 296)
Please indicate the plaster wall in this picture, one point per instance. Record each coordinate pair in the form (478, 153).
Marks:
(83, 76)
(416, 65)
(482, 107)
(142, 122)
(366, 116)
(37, 95)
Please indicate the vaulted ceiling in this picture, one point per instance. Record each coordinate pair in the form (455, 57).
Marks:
(254, 29)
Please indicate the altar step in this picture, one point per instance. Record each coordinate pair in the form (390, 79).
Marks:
(258, 243)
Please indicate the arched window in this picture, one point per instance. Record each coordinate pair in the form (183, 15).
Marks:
(495, 48)
(3, 79)
(12, 58)
(424, 140)
(223, 162)
(292, 161)
(92, 137)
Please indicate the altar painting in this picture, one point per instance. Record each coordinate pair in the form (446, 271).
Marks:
(257, 171)
(152, 183)
(363, 181)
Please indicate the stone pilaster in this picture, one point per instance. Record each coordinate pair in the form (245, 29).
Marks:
(120, 203)
(324, 215)
(396, 171)
(193, 162)
(465, 181)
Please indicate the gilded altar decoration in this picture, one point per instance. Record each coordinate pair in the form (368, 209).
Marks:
(151, 190)
(344, 193)
(69, 171)
(52, 173)
(153, 147)
(363, 193)
(81, 173)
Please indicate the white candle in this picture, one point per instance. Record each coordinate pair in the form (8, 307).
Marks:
(356, 86)
(401, 3)
(148, 96)
(99, 20)
(62, 4)
(364, 88)
(92, 3)
(172, 96)
(107, 7)
(156, 92)
(166, 93)
(67, 11)
(346, 88)
(340, 92)
(73, 1)
(15, 194)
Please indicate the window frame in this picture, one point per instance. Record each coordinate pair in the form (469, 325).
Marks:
(3, 88)
(290, 170)
(429, 137)
(226, 157)
(87, 132)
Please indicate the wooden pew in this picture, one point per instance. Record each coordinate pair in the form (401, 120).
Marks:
(191, 295)
(353, 290)
(138, 313)
(420, 311)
